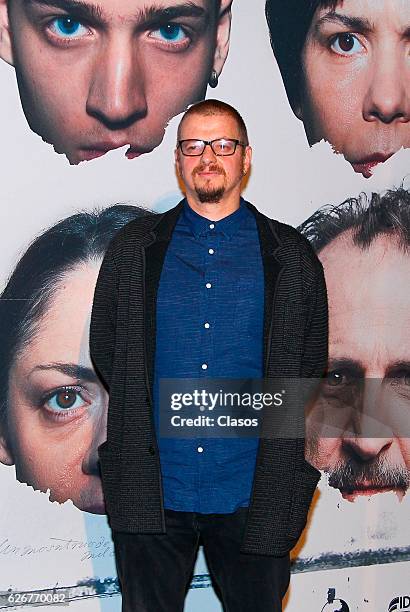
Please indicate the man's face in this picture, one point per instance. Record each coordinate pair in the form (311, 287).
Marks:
(356, 92)
(208, 177)
(368, 380)
(57, 408)
(97, 75)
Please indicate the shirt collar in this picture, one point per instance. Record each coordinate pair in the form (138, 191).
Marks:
(228, 225)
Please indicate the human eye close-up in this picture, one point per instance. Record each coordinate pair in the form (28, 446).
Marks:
(67, 27)
(346, 44)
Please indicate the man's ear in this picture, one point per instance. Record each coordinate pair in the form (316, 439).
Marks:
(6, 52)
(247, 159)
(176, 156)
(6, 456)
(223, 35)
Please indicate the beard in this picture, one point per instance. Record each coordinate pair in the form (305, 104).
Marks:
(209, 193)
(348, 476)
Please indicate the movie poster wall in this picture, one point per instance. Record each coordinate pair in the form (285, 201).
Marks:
(90, 98)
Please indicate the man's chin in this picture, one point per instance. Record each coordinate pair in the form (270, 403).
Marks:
(95, 508)
(352, 495)
(210, 196)
(92, 500)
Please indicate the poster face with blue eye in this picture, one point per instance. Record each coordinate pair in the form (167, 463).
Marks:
(89, 110)
(96, 76)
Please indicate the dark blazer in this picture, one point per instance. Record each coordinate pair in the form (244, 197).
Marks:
(122, 345)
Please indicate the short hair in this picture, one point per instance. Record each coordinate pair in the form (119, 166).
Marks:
(210, 107)
(80, 238)
(289, 22)
(367, 217)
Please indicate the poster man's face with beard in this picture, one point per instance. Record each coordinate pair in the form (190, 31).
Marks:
(355, 428)
(356, 69)
(97, 75)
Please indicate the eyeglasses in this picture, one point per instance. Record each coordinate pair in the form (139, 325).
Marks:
(194, 147)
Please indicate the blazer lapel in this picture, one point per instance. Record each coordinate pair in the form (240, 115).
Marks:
(153, 255)
(273, 268)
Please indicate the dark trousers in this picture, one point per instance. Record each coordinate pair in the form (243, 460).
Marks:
(154, 571)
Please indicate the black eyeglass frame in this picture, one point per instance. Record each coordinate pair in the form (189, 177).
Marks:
(210, 143)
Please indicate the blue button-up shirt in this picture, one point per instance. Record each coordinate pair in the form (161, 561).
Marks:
(209, 324)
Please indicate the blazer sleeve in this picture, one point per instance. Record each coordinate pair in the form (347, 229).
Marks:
(103, 319)
(315, 354)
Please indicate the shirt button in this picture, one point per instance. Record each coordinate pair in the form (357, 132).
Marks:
(204, 366)
(151, 450)
(212, 225)
(211, 251)
(200, 449)
(208, 285)
(206, 325)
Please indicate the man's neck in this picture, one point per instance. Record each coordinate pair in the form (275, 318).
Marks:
(215, 211)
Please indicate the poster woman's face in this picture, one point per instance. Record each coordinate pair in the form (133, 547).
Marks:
(356, 64)
(57, 407)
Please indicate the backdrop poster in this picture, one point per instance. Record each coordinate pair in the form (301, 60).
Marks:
(85, 148)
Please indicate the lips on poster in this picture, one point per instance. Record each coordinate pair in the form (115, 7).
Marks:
(97, 75)
(346, 72)
(89, 83)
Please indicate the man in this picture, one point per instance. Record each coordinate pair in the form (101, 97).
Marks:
(345, 68)
(205, 291)
(358, 427)
(97, 75)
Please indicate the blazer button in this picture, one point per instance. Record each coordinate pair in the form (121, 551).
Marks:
(151, 450)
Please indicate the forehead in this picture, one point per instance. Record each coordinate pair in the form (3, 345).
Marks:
(385, 12)
(208, 127)
(369, 300)
(63, 332)
(379, 271)
(137, 10)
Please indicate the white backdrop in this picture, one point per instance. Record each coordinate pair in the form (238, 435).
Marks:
(44, 544)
